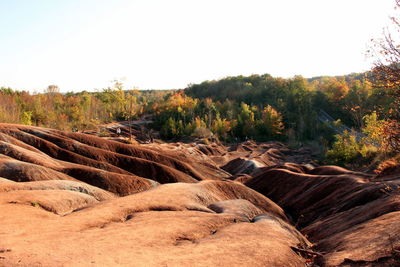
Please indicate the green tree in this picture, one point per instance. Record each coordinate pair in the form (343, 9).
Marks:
(26, 118)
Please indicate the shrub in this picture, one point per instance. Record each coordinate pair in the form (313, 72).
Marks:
(202, 132)
(26, 118)
(347, 150)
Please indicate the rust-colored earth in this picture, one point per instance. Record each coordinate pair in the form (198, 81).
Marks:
(71, 199)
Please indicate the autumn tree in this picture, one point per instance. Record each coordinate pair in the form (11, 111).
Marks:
(356, 101)
(52, 89)
(386, 74)
(270, 124)
(222, 127)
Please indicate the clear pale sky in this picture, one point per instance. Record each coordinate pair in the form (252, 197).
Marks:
(165, 44)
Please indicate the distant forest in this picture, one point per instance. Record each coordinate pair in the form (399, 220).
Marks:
(257, 107)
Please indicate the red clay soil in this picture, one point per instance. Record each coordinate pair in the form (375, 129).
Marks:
(70, 199)
(206, 224)
(237, 159)
(352, 218)
(116, 167)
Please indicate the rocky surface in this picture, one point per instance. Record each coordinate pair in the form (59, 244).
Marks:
(71, 199)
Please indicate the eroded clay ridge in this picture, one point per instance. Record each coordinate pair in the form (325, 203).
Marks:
(70, 199)
(352, 218)
(32, 154)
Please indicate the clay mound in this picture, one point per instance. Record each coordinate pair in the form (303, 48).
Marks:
(372, 243)
(226, 161)
(33, 165)
(241, 166)
(184, 196)
(205, 224)
(241, 178)
(343, 213)
(315, 196)
(212, 150)
(45, 154)
(344, 235)
(294, 167)
(249, 157)
(117, 183)
(97, 193)
(20, 171)
(120, 184)
(60, 202)
(2, 180)
(96, 152)
(192, 154)
(179, 162)
(335, 170)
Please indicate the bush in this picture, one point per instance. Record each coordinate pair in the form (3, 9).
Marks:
(202, 132)
(347, 150)
(26, 118)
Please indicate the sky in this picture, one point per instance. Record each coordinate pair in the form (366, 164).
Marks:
(159, 44)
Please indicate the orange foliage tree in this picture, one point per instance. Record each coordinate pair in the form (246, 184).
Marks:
(386, 74)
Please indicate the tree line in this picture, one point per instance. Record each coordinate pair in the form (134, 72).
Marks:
(257, 107)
